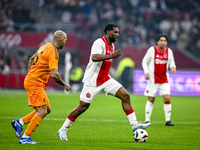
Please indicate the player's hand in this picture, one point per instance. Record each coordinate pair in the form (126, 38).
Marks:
(67, 87)
(173, 70)
(147, 76)
(117, 53)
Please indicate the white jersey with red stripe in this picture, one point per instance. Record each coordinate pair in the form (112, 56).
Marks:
(156, 63)
(97, 73)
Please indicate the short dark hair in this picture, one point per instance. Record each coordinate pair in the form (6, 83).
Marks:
(162, 35)
(109, 27)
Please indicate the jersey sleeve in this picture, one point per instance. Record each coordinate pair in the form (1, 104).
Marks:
(171, 59)
(97, 47)
(53, 59)
(146, 60)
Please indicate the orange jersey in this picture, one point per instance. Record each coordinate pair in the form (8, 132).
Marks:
(46, 58)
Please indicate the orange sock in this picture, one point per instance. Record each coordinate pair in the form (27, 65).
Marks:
(28, 117)
(35, 121)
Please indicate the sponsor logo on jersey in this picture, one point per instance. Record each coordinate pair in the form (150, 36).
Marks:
(158, 61)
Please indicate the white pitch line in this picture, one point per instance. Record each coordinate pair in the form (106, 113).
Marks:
(101, 120)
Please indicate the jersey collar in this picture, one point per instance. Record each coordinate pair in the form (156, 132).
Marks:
(54, 45)
(160, 50)
(106, 41)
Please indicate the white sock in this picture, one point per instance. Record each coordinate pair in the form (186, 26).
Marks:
(25, 136)
(148, 110)
(167, 110)
(66, 125)
(21, 121)
(132, 119)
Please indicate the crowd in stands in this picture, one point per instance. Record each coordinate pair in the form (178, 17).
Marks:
(13, 62)
(139, 21)
(15, 17)
(5, 62)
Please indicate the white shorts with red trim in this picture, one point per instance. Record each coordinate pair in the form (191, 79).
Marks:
(152, 89)
(110, 87)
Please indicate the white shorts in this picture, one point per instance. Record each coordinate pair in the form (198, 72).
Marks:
(151, 89)
(110, 87)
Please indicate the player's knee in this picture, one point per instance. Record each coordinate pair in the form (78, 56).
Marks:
(151, 99)
(166, 98)
(84, 107)
(48, 111)
(44, 113)
(126, 96)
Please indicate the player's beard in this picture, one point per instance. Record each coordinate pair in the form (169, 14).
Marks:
(60, 46)
(112, 39)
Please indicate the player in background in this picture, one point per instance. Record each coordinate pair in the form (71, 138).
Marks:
(155, 63)
(96, 79)
(43, 63)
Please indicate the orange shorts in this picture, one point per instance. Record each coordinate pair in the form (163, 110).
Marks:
(36, 93)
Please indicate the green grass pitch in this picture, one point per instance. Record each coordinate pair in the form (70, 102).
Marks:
(104, 125)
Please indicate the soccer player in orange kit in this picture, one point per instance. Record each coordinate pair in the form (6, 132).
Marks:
(43, 63)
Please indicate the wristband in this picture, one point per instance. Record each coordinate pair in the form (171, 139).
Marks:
(113, 55)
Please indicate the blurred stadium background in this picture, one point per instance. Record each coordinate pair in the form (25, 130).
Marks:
(25, 25)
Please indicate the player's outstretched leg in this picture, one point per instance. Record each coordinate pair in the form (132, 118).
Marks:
(141, 126)
(27, 141)
(62, 132)
(127, 107)
(17, 127)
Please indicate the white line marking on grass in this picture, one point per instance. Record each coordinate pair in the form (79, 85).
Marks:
(101, 120)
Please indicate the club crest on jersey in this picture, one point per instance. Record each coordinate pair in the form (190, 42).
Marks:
(88, 95)
(40, 51)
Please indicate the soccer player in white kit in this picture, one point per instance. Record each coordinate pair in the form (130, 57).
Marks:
(97, 79)
(155, 64)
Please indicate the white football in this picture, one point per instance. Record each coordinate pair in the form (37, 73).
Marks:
(140, 135)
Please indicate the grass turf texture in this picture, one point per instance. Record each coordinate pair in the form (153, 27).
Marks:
(104, 125)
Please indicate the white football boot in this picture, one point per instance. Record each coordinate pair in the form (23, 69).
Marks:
(62, 135)
(141, 126)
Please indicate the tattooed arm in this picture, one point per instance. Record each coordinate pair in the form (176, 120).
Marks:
(56, 76)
